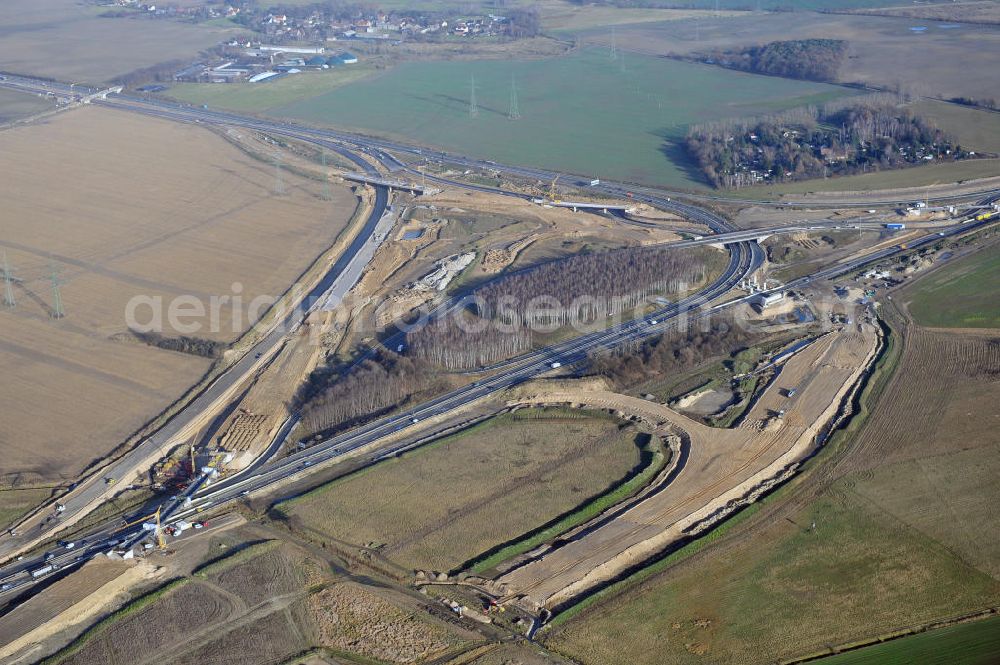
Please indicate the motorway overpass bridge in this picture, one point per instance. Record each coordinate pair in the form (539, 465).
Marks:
(397, 185)
(576, 206)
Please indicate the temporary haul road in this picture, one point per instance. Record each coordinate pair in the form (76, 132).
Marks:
(745, 257)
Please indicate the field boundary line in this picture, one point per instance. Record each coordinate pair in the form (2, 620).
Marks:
(847, 647)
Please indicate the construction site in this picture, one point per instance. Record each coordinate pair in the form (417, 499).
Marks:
(373, 461)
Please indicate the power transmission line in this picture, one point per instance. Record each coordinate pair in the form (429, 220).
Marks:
(8, 284)
(57, 306)
(473, 107)
(279, 184)
(514, 112)
(327, 194)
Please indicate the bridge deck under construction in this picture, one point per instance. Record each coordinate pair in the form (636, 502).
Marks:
(393, 184)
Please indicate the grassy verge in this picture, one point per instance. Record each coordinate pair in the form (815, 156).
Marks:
(651, 570)
(104, 624)
(235, 558)
(654, 459)
(16, 503)
(279, 507)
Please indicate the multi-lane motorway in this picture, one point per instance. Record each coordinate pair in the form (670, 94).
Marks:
(745, 257)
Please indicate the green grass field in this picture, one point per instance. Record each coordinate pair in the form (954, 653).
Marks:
(257, 97)
(444, 504)
(582, 113)
(961, 295)
(976, 643)
(795, 5)
(858, 574)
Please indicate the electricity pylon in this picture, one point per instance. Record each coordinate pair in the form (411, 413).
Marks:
(473, 107)
(279, 185)
(57, 306)
(514, 112)
(327, 193)
(8, 284)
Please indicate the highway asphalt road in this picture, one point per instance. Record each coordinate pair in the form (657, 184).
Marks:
(339, 278)
(745, 257)
(299, 464)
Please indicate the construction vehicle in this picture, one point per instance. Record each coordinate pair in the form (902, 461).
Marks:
(110, 481)
(149, 522)
(553, 195)
(986, 215)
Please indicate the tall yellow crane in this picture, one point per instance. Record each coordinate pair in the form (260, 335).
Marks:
(158, 533)
(552, 188)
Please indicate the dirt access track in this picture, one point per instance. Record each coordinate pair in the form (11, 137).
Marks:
(722, 466)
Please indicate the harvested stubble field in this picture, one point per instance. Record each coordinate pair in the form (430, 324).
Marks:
(264, 603)
(275, 572)
(904, 515)
(15, 105)
(66, 39)
(272, 638)
(351, 618)
(883, 51)
(441, 505)
(141, 634)
(142, 208)
(59, 597)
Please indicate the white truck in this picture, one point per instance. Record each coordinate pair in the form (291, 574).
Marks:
(40, 572)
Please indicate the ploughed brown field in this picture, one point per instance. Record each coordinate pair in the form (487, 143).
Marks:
(118, 206)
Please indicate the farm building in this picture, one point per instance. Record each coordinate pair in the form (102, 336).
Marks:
(263, 76)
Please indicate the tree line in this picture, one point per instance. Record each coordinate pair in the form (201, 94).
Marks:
(843, 138)
(332, 400)
(808, 59)
(581, 290)
(989, 103)
(195, 346)
(635, 363)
